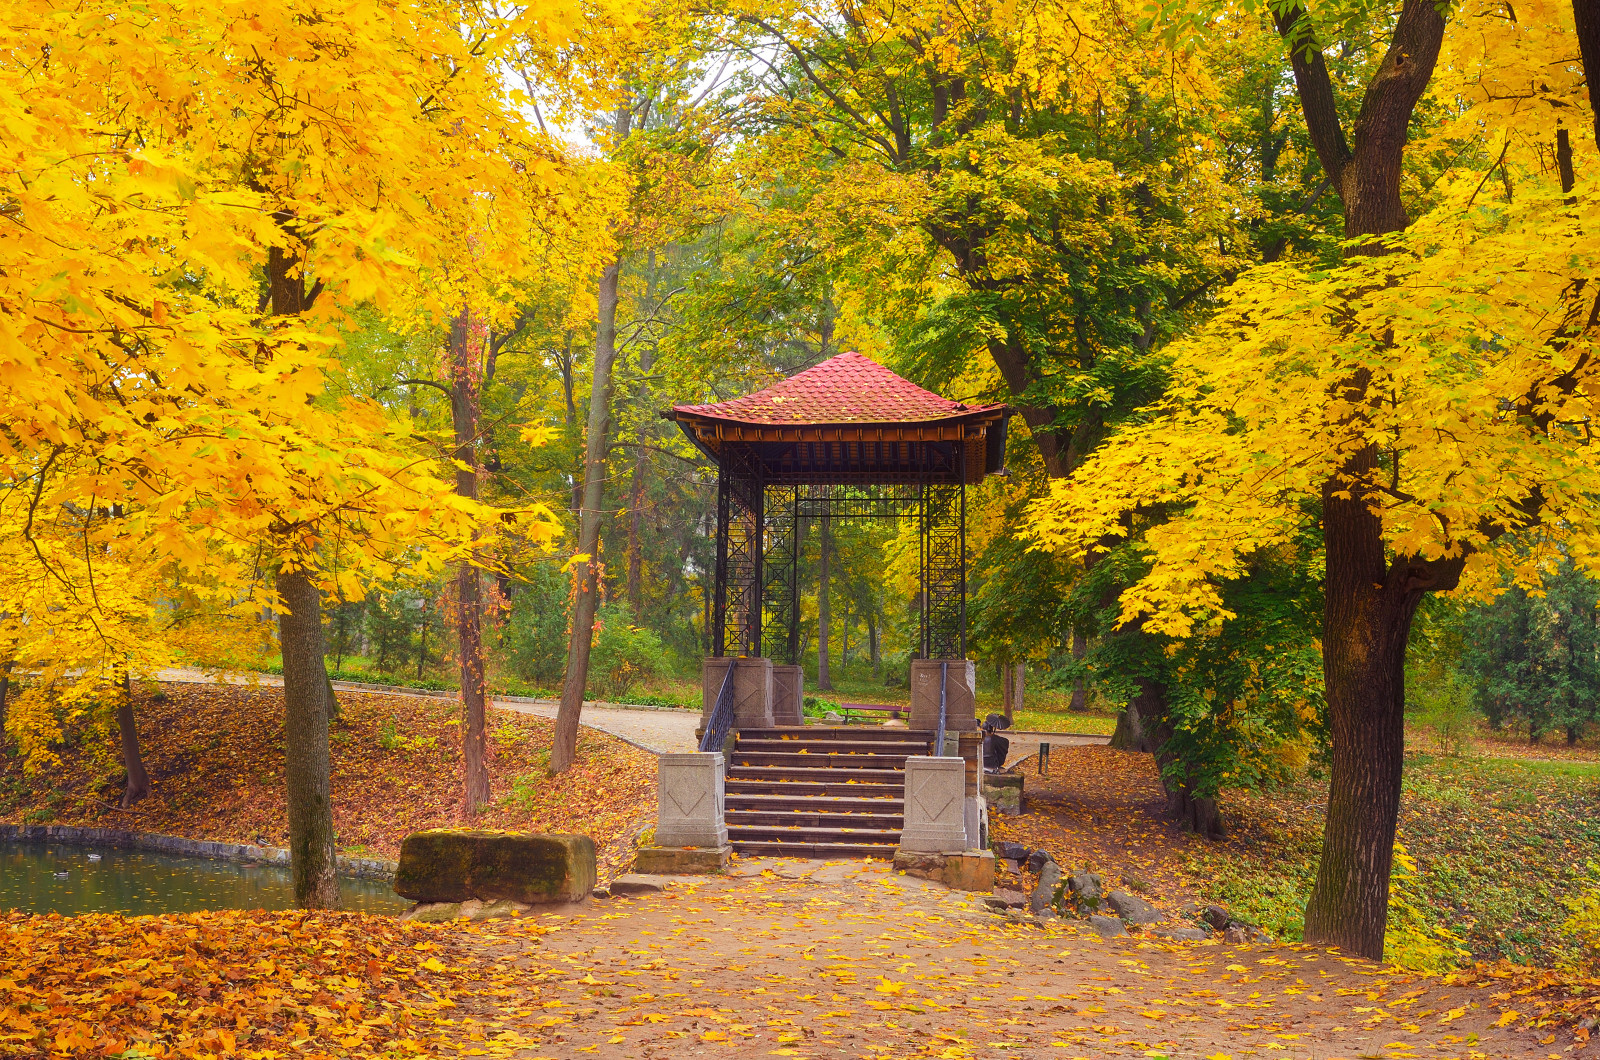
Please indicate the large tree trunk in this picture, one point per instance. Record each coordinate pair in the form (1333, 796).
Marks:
(824, 681)
(138, 785)
(1367, 610)
(1146, 726)
(872, 639)
(466, 345)
(305, 729)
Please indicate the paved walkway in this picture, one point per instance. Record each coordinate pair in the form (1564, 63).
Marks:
(849, 960)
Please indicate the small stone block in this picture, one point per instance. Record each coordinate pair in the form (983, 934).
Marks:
(691, 801)
(682, 861)
(638, 883)
(972, 870)
(455, 865)
(1003, 792)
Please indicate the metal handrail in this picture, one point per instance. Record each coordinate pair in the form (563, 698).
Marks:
(938, 739)
(721, 719)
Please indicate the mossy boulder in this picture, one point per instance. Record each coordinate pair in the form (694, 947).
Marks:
(454, 865)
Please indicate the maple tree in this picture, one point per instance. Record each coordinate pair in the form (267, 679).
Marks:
(149, 375)
(1422, 402)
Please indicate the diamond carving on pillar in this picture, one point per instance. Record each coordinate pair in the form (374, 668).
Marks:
(686, 794)
(933, 798)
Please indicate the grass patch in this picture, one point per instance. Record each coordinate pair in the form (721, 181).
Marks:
(1500, 846)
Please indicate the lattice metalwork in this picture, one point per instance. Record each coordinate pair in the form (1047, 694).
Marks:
(944, 572)
(780, 623)
(739, 543)
(757, 601)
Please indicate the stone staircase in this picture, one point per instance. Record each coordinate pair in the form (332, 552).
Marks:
(813, 792)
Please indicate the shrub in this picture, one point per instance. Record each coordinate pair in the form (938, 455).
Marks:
(624, 654)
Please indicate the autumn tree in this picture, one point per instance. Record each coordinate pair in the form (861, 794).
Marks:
(1423, 404)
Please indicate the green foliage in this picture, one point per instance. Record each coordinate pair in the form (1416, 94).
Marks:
(1414, 939)
(1535, 656)
(1584, 923)
(533, 641)
(624, 654)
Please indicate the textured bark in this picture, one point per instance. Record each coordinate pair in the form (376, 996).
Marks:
(824, 681)
(872, 640)
(1368, 604)
(466, 342)
(138, 785)
(305, 730)
(1586, 17)
(1147, 714)
(564, 747)
(586, 572)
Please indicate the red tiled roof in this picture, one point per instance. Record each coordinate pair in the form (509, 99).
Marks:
(848, 388)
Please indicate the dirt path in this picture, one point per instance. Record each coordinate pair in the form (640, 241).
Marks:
(852, 960)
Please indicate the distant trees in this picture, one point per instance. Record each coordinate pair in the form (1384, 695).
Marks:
(1534, 659)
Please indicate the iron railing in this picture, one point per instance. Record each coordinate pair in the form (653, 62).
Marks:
(721, 720)
(938, 736)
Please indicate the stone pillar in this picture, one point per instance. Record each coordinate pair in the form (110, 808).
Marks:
(691, 801)
(936, 806)
(752, 690)
(961, 703)
(788, 695)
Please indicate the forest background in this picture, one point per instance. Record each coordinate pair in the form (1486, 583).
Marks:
(344, 336)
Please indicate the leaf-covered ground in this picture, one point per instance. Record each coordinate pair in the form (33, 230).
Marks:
(215, 758)
(785, 959)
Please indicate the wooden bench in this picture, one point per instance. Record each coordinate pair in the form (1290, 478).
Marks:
(874, 708)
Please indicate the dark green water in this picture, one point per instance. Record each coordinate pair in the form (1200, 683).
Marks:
(138, 883)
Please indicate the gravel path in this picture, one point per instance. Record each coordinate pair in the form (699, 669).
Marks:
(660, 731)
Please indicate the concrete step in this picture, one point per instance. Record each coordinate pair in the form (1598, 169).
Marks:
(847, 734)
(818, 803)
(811, 834)
(880, 747)
(772, 849)
(779, 774)
(892, 822)
(818, 759)
(838, 788)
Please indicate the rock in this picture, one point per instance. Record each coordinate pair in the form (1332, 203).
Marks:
(971, 870)
(831, 718)
(499, 910)
(451, 865)
(1235, 934)
(1044, 895)
(1003, 791)
(1084, 891)
(471, 908)
(1010, 899)
(1188, 934)
(683, 861)
(1132, 909)
(1105, 926)
(1004, 848)
(637, 883)
(602, 892)
(1216, 916)
(1037, 861)
(432, 912)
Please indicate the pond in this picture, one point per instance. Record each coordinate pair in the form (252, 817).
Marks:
(45, 878)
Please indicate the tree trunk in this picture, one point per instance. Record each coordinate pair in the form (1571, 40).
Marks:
(305, 728)
(138, 780)
(1148, 712)
(1586, 20)
(1019, 682)
(1079, 701)
(466, 343)
(872, 640)
(1006, 676)
(586, 570)
(1367, 609)
(824, 682)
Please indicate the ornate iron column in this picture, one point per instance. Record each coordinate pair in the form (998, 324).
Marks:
(944, 564)
(780, 591)
(739, 546)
